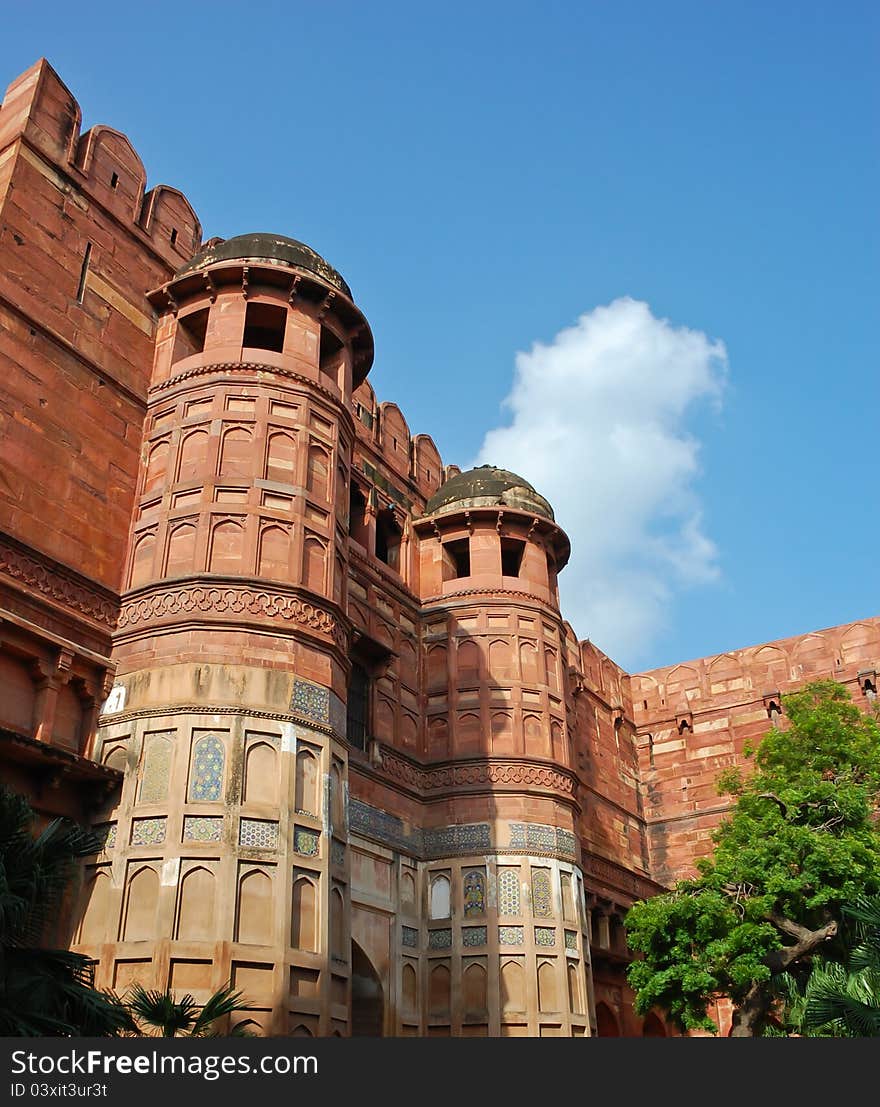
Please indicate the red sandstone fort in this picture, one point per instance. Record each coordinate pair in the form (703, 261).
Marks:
(312, 684)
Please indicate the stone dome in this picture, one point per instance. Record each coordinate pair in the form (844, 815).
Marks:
(488, 486)
(265, 247)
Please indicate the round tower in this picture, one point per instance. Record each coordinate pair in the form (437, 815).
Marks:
(504, 905)
(229, 843)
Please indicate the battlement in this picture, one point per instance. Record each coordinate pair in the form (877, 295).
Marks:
(39, 111)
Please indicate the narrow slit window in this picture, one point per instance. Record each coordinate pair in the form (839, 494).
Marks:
(114, 181)
(357, 708)
(83, 274)
(264, 326)
(512, 550)
(173, 235)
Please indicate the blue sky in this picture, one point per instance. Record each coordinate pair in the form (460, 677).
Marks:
(496, 180)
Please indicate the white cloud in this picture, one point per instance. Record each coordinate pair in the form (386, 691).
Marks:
(599, 427)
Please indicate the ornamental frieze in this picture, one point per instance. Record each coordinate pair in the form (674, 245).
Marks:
(482, 772)
(49, 579)
(228, 600)
(616, 877)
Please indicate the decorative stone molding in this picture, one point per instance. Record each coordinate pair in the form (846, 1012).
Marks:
(465, 592)
(525, 774)
(47, 578)
(463, 840)
(614, 876)
(227, 599)
(253, 368)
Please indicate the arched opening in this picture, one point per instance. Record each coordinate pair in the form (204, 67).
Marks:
(606, 1022)
(366, 996)
(653, 1027)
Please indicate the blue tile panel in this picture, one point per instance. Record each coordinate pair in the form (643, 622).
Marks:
(258, 833)
(311, 701)
(209, 759)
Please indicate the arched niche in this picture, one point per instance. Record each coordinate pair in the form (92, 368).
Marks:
(307, 781)
(439, 989)
(575, 1004)
(94, 928)
(254, 909)
(180, 559)
(273, 557)
(236, 453)
(261, 774)
(227, 548)
(281, 458)
(195, 911)
(192, 462)
(512, 982)
(474, 989)
(140, 905)
(440, 907)
(548, 990)
(304, 915)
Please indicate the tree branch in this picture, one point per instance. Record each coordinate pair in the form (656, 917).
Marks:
(806, 941)
(772, 796)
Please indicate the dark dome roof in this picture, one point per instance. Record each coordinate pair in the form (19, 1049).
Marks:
(487, 486)
(265, 247)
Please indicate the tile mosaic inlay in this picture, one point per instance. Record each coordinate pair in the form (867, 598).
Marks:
(439, 939)
(202, 828)
(209, 756)
(571, 940)
(508, 892)
(542, 894)
(337, 852)
(474, 935)
(474, 894)
(445, 840)
(409, 936)
(306, 841)
(148, 832)
(312, 701)
(258, 833)
(337, 715)
(156, 766)
(510, 935)
(106, 835)
(545, 936)
(566, 842)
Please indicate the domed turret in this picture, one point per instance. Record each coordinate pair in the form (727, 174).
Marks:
(275, 248)
(488, 486)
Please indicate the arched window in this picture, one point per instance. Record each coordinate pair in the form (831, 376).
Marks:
(440, 898)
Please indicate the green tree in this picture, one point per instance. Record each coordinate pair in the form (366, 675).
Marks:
(799, 843)
(164, 1017)
(44, 992)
